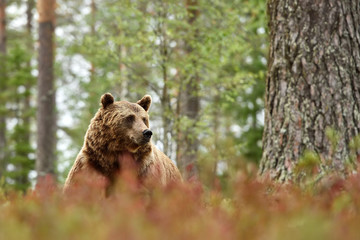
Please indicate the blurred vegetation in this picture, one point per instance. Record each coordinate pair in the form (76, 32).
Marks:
(253, 209)
(132, 48)
(17, 98)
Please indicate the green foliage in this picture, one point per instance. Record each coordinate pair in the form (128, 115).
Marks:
(132, 48)
(354, 147)
(18, 97)
(314, 171)
(138, 47)
(307, 163)
(333, 137)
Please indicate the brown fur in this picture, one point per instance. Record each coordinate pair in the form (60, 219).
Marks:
(114, 143)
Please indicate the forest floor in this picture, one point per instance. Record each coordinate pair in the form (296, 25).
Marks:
(247, 209)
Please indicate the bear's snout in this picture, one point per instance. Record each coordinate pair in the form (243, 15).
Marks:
(147, 133)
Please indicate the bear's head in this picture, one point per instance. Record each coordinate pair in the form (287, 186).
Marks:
(124, 124)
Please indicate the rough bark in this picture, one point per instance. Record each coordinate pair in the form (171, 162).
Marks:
(2, 84)
(312, 83)
(46, 116)
(189, 144)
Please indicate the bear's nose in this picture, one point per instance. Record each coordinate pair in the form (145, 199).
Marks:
(147, 133)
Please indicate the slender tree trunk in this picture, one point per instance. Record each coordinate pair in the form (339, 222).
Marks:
(123, 82)
(178, 130)
(2, 27)
(312, 83)
(216, 153)
(26, 115)
(46, 115)
(122, 71)
(93, 95)
(165, 96)
(2, 85)
(191, 107)
(165, 102)
(27, 107)
(93, 32)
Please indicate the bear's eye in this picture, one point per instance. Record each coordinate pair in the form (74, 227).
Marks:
(144, 120)
(130, 118)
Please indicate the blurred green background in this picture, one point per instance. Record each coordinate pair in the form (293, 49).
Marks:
(136, 47)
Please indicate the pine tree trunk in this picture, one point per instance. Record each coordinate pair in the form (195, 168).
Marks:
(46, 115)
(93, 95)
(312, 83)
(189, 144)
(2, 28)
(26, 115)
(29, 27)
(165, 95)
(165, 105)
(2, 85)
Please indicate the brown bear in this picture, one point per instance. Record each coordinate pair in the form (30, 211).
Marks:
(118, 140)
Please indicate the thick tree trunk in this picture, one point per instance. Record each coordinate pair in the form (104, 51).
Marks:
(189, 144)
(312, 83)
(46, 115)
(2, 84)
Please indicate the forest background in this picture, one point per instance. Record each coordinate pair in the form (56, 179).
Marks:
(203, 63)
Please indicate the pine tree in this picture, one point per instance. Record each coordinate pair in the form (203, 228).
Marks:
(312, 83)
(2, 85)
(46, 115)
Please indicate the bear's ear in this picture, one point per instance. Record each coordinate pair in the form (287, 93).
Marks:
(145, 102)
(107, 99)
